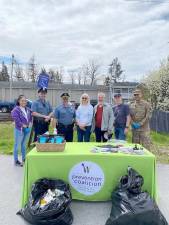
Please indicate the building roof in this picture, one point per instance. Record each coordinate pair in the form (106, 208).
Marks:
(22, 84)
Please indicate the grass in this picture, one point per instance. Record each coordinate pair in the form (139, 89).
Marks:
(160, 142)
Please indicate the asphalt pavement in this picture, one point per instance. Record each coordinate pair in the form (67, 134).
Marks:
(85, 213)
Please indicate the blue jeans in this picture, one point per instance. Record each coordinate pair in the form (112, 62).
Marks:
(119, 133)
(20, 141)
(83, 135)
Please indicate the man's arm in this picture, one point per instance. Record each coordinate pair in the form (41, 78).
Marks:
(35, 113)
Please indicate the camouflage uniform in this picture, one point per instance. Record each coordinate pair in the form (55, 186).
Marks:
(140, 113)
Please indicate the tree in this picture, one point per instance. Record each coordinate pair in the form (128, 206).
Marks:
(115, 70)
(72, 75)
(79, 76)
(55, 76)
(91, 69)
(19, 72)
(4, 75)
(107, 81)
(158, 82)
(32, 70)
(84, 74)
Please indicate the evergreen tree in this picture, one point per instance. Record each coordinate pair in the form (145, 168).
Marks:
(115, 70)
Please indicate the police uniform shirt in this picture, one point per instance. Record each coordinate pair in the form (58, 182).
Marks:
(42, 107)
(65, 114)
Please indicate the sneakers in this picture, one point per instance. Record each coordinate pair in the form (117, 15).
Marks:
(18, 163)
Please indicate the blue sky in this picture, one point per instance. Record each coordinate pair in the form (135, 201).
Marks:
(68, 33)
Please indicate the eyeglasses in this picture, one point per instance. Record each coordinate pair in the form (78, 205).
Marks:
(136, 94)
(84, 98)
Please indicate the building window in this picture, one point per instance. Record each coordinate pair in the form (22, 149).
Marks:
(117, 90)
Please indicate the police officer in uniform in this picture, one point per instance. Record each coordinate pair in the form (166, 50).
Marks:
(65, 116)
(42, 112)
(140, 114)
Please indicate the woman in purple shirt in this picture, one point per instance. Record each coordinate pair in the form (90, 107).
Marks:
(22, 118)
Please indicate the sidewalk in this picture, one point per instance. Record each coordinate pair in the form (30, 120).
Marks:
(85, 213)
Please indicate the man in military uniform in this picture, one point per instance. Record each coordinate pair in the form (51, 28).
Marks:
(65, 117)
(140, 114)
(42, 112)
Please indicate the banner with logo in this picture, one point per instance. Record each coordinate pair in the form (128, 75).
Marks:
(86, 177)
(43, 80)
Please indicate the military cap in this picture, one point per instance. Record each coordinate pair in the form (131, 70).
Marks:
(65, 95)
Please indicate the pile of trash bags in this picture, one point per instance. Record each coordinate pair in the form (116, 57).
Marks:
(48, 203)
(131, 206)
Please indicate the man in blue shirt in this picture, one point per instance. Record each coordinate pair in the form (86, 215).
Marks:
(65, 116)
(42, 112)
(122, 118)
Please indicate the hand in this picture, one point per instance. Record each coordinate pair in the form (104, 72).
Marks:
(136, 125)
(25, 126)
(126, 130)
(82, 126)
(47, 118)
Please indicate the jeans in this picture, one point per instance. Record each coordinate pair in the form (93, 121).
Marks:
(100, 135)
(83, 135)
(20, 141)
(119, 133)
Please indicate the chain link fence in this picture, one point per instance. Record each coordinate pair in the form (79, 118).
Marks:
(160, 121)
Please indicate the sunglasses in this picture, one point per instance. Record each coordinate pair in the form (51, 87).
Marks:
(136, 94)
(84, 98)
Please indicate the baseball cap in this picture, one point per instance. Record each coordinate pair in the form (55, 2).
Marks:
(42, 90)
(117, 95)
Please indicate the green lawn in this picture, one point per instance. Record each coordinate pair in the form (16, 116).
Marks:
(160, 142)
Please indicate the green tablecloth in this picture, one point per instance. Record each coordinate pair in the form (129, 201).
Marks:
(92, 176)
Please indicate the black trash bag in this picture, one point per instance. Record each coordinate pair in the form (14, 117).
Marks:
(56, 212)
(131, 206)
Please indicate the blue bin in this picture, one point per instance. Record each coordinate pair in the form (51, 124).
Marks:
(58, 139)
(42, 139)
(52, 140)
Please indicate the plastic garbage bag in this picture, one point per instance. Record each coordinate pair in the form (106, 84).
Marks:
(131, 206)
(48, 203)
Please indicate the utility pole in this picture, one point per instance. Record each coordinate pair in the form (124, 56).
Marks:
(111, 71)
(11, 77)
(110, 90)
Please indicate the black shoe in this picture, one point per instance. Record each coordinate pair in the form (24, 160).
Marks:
(18, 163)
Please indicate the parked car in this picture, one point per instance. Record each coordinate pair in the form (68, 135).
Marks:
(7, 106)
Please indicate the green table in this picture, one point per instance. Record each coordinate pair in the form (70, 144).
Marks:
(92, 176)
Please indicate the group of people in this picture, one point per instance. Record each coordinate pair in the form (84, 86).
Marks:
(102, 119)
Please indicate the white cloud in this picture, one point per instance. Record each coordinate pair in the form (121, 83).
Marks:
(67, 33)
